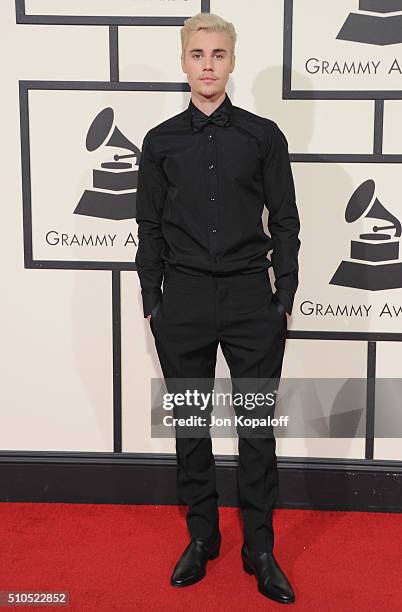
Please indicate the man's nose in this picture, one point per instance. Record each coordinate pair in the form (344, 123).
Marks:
(208, 64)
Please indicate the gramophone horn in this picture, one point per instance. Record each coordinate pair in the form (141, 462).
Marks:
(101, 132)
(360, 201)
(100, 129)
(364, 202)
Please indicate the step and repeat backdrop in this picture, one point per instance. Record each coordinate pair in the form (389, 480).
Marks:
(84, 81)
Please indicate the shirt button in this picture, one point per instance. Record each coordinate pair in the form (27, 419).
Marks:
(210, 166)
(210, 136)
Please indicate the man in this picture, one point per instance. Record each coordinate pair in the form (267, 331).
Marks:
(204, 178)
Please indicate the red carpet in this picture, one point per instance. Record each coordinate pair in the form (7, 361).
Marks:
(119, 558)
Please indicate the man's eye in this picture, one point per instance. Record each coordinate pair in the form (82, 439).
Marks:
(195, 55)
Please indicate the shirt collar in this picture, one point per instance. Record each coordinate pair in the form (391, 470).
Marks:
(226, 104)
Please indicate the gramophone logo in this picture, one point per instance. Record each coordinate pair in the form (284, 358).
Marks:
(373, 263)
(115, 183)
(377, 22)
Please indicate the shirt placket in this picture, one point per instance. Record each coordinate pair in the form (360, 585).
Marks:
(212, 194)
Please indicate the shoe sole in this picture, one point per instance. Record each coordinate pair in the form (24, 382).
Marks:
(249, 570)
(213, 555)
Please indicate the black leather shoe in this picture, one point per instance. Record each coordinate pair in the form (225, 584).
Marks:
(272, 582)
(190, 568)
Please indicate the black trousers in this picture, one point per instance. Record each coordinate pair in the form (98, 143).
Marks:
(196, 314)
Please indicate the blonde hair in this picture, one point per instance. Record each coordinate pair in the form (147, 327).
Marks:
(210, 23)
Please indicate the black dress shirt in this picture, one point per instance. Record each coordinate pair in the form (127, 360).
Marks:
(203, 181)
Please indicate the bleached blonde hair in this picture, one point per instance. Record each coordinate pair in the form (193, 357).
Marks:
(210, 23)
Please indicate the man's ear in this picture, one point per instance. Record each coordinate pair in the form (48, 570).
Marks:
(233, 63)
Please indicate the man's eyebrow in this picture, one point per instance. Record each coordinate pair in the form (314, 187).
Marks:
(202, 50)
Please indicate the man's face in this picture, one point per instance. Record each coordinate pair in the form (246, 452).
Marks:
(207, 54)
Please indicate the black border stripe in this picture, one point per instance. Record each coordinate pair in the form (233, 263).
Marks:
(114, 53)
(379, 128)
(107, 85)
(370, 399)
(169, 459)
(25, 174)
(116, 285)
(343, 95)
(287, 49)
(347, 158)
(340, 335)
(117, 389)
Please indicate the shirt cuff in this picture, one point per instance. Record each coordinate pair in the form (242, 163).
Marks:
(286, 298)
(149, 300)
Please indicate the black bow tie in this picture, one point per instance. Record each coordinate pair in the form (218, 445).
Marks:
(219, 117)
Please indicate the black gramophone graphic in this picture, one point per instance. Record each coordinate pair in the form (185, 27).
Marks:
(115, 182)
(379, 24)
(375, 256)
